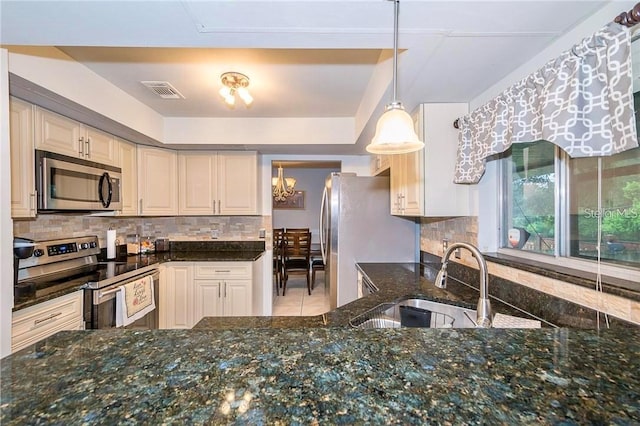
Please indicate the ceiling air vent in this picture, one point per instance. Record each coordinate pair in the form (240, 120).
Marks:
(164, 89)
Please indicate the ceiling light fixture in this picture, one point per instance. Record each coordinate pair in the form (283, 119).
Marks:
(282, 187)
(394, 132)
(233, 83)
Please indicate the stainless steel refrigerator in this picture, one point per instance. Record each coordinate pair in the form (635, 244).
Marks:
(356, 226)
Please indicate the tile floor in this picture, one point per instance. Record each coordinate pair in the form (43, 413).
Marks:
(297, 301)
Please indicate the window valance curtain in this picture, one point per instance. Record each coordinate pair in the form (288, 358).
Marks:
(582, 101)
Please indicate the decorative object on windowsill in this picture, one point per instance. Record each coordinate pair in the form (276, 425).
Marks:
(295, 201)
(394, 132)
(595, 117)
(282, 187)
(234, 82)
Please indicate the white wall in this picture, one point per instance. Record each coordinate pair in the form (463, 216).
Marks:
(52, 69)
(6, 224)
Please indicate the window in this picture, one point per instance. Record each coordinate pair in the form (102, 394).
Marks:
(559, 206)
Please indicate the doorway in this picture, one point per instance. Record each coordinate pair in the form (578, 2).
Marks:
(301, 209)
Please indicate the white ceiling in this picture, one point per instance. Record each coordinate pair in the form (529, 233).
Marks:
(322, 58)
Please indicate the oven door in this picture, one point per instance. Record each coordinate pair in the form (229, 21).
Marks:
(100, 307)
(67, 183)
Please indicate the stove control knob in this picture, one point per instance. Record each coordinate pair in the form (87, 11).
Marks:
(38, 252)
(84, 246)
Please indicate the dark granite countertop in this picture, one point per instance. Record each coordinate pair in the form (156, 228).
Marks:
(181, 251)
(394, 281)
(325, 376)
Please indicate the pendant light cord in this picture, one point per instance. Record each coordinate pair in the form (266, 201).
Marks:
(396, 4)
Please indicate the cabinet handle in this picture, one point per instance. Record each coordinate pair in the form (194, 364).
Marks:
(219, 290)
(32, 201)
(49, 318)
(81, 147)
(225, 289)
(140, 209)
(223, 270)
(88, 145)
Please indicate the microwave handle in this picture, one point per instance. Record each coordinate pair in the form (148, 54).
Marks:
(105, 178)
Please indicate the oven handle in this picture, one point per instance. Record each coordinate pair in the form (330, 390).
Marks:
(103, 293)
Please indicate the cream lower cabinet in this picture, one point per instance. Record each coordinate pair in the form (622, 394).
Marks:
(23, 186)
(157, 181)
(190, 291)
(40, 321)
(223, 289)
(62, 135)
(217, 183)
(176, 295)
(422, 181)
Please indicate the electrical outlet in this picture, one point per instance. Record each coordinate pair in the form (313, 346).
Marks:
(445, 244)
(214, 233)
(261, 233)
(458, 254)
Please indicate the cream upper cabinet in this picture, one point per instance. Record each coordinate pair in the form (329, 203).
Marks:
(23, 189)
(218, 183)
(157, 181)
(129, 166)
(196, 180)
(59, 134)
(406, 184)
(380, 163)
(422, 181)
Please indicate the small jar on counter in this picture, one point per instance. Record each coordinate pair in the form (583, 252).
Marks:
(133, 244)
(147, 245)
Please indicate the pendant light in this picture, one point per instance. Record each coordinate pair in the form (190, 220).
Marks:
(394, 132)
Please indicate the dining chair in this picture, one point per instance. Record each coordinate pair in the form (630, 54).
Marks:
(277, 257)
(316, 265)
(297, 252)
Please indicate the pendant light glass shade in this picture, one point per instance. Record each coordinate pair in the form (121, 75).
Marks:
(394, 131)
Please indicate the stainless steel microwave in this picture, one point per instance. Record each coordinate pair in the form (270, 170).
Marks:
(68, 183)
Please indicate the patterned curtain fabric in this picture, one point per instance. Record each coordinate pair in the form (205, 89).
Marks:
(582, 102)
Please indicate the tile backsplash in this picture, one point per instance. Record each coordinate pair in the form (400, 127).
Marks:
(183, 228)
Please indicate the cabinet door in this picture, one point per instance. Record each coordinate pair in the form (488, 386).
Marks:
(396, 183)
(58, 134)
(23, 189)
(40, 321)
(413, 187)
(380, 163)
(196, 176)
(237, 298)
(157, 182)
(208, 299)
(101, 147)
(237, 183)
(176, 297)
(128, 164)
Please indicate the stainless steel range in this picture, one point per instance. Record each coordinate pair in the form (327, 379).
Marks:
(71, 263)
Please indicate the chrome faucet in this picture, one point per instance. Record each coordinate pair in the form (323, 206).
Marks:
(483, 313)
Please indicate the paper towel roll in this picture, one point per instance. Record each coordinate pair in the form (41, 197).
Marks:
(111, 244)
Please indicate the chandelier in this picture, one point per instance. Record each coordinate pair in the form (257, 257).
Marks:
(282, 187)
(234, 82)
(394, 131)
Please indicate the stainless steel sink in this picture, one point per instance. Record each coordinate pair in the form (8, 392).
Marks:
(415, 313)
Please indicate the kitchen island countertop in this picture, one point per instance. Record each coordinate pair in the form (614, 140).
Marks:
(328, 373)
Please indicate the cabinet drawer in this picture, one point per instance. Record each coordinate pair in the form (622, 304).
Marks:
(240, 270)
(37, 322)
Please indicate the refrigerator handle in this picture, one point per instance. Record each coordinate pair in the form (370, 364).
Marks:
(322, 221)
